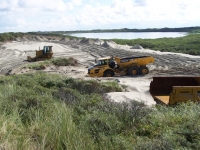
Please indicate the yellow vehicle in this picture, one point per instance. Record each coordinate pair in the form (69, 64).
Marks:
(110, 66)
(44, 54)
(173, 90)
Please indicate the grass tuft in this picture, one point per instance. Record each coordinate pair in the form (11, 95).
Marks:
(65, 62)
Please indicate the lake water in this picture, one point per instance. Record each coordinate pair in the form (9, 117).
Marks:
(130, 35)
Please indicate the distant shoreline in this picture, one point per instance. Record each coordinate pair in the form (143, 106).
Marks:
(183, 29)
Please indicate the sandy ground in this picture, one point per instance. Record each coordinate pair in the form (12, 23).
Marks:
(13, 55)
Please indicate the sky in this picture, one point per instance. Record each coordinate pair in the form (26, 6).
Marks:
(68, 15)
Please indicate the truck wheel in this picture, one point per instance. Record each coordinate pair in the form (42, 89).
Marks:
(108, 73)
(133, 71)
(144, 70)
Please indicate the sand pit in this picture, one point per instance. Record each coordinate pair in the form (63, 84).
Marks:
(14, 54)
(136, 89)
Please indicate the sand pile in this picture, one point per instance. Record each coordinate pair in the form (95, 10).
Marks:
(98, 42)
(39, 38)
(87, 41)
(137, 46)
(30, 38)
(65, 39)
(74, 40)
(25, 39)
(44, 38)
(137, 89)
(18, 39)
(53, 39)
(109, 44)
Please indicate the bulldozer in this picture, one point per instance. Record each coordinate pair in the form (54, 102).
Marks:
(110, 66)
(44, 54)
(175, 89)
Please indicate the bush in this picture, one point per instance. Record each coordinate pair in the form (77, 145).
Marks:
(65, 62)
(10, 36)
(37, 67)
(69, 96)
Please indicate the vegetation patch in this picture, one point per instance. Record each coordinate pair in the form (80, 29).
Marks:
(65, 62)
(188, 44)
(10, 36)
(57, 62)
(48, 111)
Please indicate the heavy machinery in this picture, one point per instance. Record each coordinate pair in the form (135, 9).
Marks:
(109, 66)
(44, 54)
(173, 90)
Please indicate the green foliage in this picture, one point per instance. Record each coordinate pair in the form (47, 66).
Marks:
(48, 111)
(38, 65)
(10, 36)
(188, 44)
(65, 62)
(68, 95)
(171, 127)
(58, 62)
(92, 86)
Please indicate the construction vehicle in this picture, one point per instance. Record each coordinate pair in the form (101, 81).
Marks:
(110, 66)
(44, 54)
(173, 90)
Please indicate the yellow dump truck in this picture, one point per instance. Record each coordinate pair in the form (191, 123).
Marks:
(173, 90)
(110, 66)
(44, 54)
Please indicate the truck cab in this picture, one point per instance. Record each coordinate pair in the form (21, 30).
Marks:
(103, 68)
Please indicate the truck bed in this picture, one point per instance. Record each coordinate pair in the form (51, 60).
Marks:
(126, 59)
(172, 90)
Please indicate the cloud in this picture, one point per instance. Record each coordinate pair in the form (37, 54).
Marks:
(7, 5)
(42, 5)
(140, 2)
(29, 15)
(76, 2)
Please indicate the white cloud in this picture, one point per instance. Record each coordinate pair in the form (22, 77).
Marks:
(6, 5)
(76, 2)
(122, 6)
(81, 14)
(42, 5)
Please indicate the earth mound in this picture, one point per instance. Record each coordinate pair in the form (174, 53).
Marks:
(137, 46)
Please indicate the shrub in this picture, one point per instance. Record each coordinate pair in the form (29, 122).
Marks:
(65, 62)
(69, 96)
(100, 124)
(38, 67)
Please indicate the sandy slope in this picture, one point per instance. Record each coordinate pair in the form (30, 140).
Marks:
(14, 54)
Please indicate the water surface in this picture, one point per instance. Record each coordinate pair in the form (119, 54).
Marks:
(131, 35)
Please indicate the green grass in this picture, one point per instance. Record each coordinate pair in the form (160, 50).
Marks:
(48, 111)
(188, 44)
(65, 61)
(10, 36)
(55, 61)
